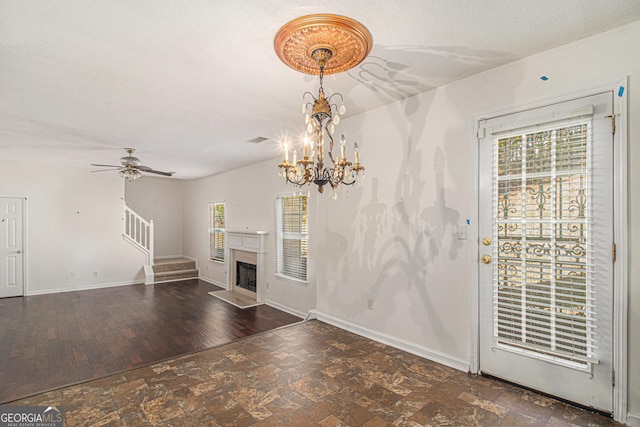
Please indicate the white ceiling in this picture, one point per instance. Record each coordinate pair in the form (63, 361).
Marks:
(188, 83)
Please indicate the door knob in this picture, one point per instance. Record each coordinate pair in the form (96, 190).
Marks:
(19, 251)
(486, 241)
(486, 259)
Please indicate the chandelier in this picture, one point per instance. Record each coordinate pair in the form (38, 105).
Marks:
(322, 44)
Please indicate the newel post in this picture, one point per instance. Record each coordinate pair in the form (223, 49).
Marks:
(151, 243)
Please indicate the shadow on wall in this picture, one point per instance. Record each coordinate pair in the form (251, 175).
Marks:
(441, 221)
(373, 222)
(401, 246)
(390, 248)
(394, 73)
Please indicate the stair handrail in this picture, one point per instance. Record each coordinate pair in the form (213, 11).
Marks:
(139, 232)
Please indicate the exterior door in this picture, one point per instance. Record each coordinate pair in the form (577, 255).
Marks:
(11, 247)
(545, 250)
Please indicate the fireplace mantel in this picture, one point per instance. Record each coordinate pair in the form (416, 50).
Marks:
(247, 241)
(250, 241)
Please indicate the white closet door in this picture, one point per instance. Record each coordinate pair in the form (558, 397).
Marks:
(11, 247)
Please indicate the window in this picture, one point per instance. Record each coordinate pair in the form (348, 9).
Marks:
(292, 237)
(544, 290)
(216, 231)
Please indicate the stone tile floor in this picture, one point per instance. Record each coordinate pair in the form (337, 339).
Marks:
(309, 374)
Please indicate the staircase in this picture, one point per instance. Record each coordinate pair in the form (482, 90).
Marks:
(167, 270)
(139, 232)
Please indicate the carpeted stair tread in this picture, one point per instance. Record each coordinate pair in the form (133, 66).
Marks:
(161, 266)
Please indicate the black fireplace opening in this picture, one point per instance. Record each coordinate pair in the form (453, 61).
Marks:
(246, 276)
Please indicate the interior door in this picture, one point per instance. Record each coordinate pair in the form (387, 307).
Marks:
(546, 234)
(11, 247)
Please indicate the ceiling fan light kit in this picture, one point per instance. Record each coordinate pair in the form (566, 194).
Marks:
(131, 168)
(322, 44)
(130, 174)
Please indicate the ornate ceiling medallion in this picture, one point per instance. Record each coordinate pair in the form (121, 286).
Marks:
(340, 42)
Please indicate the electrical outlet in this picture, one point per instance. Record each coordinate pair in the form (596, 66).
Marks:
(370, 303)
(95, 274)
(267, 285)
(73, 274)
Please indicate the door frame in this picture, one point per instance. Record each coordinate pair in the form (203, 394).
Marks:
(25, 252)
(620, 211)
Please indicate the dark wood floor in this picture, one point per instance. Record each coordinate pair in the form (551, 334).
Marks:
(49, 341)
(310, 374)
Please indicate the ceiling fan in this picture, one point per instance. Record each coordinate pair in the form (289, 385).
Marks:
(131, 168)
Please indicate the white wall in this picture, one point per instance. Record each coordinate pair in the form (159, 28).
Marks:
(249, 195)
(160, 200)
(74, 227)
(393, 239)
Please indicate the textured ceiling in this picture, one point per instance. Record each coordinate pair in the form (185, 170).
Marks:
(188, 83)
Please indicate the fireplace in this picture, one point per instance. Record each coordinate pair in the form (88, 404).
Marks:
(246, 276)
(246, 259)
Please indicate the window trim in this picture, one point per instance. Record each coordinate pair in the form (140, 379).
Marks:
(213, 230)
(293, 279)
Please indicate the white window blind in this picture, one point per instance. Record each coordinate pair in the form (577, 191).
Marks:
(544, 275)
(216, 231)
(291, 237)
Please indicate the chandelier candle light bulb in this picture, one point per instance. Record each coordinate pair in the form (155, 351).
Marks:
(305, 148)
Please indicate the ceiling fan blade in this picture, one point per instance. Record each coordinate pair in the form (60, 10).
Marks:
(149, 170)
(105, 170)
(130, 163)
(159, 172)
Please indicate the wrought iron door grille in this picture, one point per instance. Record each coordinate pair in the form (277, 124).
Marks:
(543, 277)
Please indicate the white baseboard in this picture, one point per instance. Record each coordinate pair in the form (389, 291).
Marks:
(212, 281)
(418, 350)
(633, 420)
(84, 288)
(285, 309)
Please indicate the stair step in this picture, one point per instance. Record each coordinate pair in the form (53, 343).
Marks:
(175, 275)
(173, 264)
